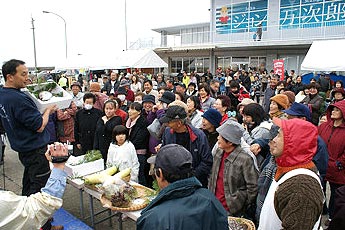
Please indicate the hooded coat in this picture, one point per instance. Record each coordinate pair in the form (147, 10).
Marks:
(298, 200)
(334, 138)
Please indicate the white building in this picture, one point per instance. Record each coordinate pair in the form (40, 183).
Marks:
(288, 29)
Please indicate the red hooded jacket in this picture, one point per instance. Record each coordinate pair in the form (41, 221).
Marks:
(334, 138)
(300, 143)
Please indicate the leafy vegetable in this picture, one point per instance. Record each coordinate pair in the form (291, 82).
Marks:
(155, 186)
(47, 86)
(92, 155)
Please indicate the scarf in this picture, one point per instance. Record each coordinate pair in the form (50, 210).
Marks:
(282, 170)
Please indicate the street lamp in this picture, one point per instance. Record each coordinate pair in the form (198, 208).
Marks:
(48, 12)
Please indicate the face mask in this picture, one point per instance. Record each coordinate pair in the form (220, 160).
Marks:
(87, 106)
(121, 97)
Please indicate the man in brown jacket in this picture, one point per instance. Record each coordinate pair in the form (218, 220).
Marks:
(234, 177)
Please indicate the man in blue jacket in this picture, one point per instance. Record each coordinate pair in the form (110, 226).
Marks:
(25, 126)
(194, 140)
(182, 203)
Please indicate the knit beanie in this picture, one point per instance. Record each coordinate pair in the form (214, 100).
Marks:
(95, 87)
(213, 116)
(290, 95)
(281, 100)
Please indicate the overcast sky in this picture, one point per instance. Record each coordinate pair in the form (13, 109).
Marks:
(93, 27)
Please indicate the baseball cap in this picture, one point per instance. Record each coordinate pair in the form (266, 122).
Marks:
(172, 113)
(173, 159)
(231, 132)
(167, 97)
(149, 98)
(298, 109)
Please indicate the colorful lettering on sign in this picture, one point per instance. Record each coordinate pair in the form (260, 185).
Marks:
(311, 13)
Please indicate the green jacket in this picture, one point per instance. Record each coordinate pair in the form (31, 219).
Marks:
(184, 204)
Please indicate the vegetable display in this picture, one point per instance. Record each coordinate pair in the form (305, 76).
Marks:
(91, 155)
(45, 91)
(100, 177)
(121, 195)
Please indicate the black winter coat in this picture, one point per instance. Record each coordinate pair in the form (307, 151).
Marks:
(103, 134)
(139, 135)
(85, 127)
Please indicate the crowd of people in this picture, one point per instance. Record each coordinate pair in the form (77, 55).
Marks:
(250, 143)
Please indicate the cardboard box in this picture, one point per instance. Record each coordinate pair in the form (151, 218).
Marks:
(61, 102)
(82, 169)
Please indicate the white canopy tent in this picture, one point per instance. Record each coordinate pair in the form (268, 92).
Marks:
(326, 55)
(123, 60)
(138, 59)
(74, 62)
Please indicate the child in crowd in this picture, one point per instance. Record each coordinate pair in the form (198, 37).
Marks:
(122, 152)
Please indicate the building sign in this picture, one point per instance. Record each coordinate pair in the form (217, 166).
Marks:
(241, 17)
(311, 13)
(278, 68)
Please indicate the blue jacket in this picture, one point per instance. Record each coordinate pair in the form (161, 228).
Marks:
(21, 120)
(321, 157)
(184, 204)
(198, 147)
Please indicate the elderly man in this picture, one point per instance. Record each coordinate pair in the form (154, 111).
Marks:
(295, 198)
(129, 93)
(148, 89)
(194, 140)
(270, 92)
(77, 94)
(113, 84)
(236, 193)
(182, 203)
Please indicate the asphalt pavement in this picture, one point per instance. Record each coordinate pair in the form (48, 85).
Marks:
(71, 199)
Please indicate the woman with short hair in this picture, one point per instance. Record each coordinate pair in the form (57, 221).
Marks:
(205, 99)
(194, 113)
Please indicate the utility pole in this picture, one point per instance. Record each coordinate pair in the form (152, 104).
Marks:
(33, 34)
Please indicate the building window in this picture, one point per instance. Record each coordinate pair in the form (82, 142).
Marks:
(223, 62)
(189, 64)
(176, 65)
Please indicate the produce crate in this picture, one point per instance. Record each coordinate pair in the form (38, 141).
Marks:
(80, 170)
(61, 102)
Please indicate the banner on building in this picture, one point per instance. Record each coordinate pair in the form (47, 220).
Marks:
(278, 68)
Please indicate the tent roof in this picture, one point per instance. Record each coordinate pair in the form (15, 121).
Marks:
(124, 59)
(139, 59)
(325, 55)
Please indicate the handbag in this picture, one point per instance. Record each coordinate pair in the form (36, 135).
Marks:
(154, 129)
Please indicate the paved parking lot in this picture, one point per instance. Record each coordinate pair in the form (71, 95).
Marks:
(13, 182)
